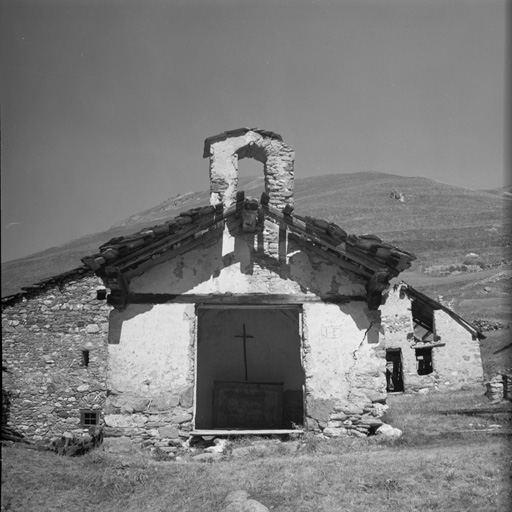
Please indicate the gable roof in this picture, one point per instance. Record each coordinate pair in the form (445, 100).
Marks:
(423, 307)
(366, 256)
(58, 280)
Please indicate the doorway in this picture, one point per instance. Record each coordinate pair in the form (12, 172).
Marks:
(394, 373)
(249, 372)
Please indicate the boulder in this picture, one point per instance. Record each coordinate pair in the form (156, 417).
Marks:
(239, 501)
(388, 431)
(236, 497)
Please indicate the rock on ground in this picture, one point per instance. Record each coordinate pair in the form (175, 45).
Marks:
(388, 431)
(239, 501)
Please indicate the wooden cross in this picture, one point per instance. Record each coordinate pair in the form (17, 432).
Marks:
(245, 336)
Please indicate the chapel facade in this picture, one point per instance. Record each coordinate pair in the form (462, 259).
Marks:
(236, 317)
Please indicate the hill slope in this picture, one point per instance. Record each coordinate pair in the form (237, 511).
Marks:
(440, 223)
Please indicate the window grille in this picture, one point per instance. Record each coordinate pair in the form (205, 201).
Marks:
(89, 418)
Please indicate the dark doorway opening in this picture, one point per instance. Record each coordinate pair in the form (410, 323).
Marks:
(249, 372)
(394, 374)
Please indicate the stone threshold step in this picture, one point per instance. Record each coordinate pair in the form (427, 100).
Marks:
(243, 432)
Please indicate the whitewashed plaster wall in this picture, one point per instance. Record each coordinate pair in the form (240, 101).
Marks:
(151, 348)
(459, 362)
(234, 265)
(333, 335)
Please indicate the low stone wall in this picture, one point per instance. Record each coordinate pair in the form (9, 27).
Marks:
(161, 421)
(47, 381)
(335, 419)
(499, 388)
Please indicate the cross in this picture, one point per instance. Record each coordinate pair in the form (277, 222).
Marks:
(245, 336)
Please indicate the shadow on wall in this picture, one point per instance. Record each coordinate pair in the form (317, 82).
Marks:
(8, 433)
(116, 320)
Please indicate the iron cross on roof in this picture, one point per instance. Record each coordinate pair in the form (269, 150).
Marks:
(245, 336)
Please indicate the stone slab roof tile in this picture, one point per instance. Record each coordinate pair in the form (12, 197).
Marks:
(235, 133)
(427, 302)
(135, 249)
(42, 286)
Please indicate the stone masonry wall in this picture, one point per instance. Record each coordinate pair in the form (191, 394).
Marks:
(277, 158)
(43, 339)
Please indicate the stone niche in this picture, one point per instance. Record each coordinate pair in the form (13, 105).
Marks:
(226, 149)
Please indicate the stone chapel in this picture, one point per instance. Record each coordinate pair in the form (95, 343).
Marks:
(236, 317)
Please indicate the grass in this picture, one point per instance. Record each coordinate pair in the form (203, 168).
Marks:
(425, 470)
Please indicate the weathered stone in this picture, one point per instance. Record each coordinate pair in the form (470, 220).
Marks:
(312, 424)
(379, 409)
(236, 497)
(250, 506)
(388, 431)
(168, 432)
(357, 433)
(239, 501)
(376, 396)
(352, 409)
(338, 416)
(319, 409)
(181, 418)
(164, 402)
(371, 421)
(187, 397)
(125, 420)
(334, 431)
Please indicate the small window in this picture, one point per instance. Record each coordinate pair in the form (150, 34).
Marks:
(424, 360)
(85, 358)
(89, 418)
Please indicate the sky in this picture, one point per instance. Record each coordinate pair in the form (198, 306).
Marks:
(105, 104)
